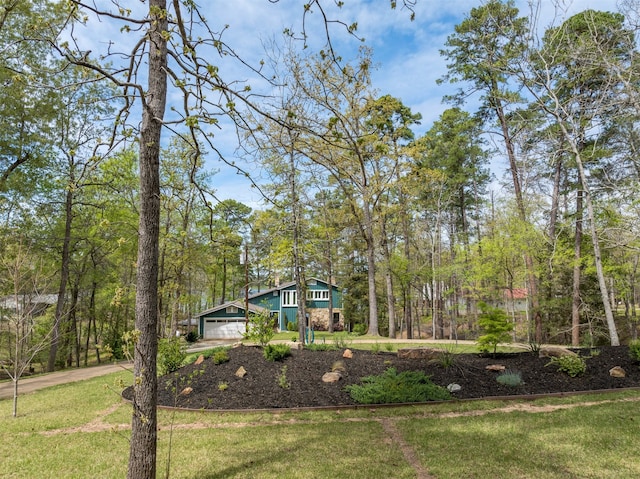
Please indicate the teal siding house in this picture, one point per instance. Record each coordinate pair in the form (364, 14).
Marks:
(227, 320)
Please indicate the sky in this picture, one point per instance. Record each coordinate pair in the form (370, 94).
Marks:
(406, 53)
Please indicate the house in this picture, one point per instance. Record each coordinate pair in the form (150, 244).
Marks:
(228, 320)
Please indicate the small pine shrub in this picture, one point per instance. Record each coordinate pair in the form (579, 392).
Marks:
(510, 378)
(391, 387)
(572, 365)
(220, 356)
(276, 352)
(292, 326)
(634, 349)
(495, 326)
(360, 329)
(282, 379)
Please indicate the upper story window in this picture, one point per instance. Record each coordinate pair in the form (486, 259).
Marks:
(232, 309)
(289, 298)
(318, 295)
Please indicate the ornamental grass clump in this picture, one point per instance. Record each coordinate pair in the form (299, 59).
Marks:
(510, 378)
(391, 387)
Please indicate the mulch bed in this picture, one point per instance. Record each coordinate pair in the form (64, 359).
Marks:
(216, 386)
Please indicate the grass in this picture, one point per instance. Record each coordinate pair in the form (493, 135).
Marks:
(80, 430)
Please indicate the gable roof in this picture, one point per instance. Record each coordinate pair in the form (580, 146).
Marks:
(286, 285)
(253, 308)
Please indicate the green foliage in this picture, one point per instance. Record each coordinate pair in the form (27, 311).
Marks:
(341, 340)
(321, 347)
(260, 328)
(220, 356)
(282, 378)
(360, 329)
(573, 365)
(510, 378)
(276, 352)
(446, 358)
(192, 336)
(634, 349)
(292, 325)
(495, 326)
(391, 387)
(223, 386)
(171, 355)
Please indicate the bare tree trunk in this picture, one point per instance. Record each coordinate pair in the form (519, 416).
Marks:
(64, 277)
(142, 452)
(577, 269)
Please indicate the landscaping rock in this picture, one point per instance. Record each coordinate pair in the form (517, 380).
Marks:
(420, 353)
(241, 372)
(453, 387)
(186, 391)
(495, 367)
(200, 360)
(332, 377)
(555, 352)
(347, 354)
(617, 372)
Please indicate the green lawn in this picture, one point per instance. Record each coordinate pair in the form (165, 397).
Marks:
(80, 430)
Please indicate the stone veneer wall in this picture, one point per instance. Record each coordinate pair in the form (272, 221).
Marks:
(320, 316)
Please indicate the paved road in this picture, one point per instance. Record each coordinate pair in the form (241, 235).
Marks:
(28, 385)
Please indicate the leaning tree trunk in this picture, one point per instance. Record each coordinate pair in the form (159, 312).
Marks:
(142, 451)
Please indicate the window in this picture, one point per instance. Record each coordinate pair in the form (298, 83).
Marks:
(318, 295)
(289, 298)
(232, 310)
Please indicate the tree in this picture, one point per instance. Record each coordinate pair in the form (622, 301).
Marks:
(22, 277)
(485, 51)
(572, 83)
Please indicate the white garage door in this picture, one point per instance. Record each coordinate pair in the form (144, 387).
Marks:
(227, 329)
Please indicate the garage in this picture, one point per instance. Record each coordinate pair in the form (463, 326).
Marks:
(231, 328)
(226, 321)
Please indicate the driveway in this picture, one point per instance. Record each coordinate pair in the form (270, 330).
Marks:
(31, 384)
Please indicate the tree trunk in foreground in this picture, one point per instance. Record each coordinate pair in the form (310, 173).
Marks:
(142, 452)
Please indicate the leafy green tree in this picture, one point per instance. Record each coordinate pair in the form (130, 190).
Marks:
(495, 328)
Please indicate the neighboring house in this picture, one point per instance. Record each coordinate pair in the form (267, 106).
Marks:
(29, 304)
(514, 301)
(228, 320)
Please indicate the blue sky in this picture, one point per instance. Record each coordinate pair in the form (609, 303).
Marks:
(407, 53)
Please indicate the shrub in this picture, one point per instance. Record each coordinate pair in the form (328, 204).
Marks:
(171, 355)
(573, 365)
(276, 352)
(220, 356)
(321, 347)
(634, 349)
(192, 336)
(282, 378)
(360, 329)
(260, 328)
(445, 358)
(495, 325)
(292, 326)
(510, 378)
(391, 387)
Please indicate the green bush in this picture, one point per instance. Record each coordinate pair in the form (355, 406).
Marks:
(292, 326)
(495, 326)
(171, 355)
(276, 352)
(360, 329)
(220, 356)
(192, 336)
(510, 378)
(391, 387)
(634, 349)
(573, 365)
(321, 347)
(260, 328)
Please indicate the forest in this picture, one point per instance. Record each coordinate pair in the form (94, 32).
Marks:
(410, 227)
